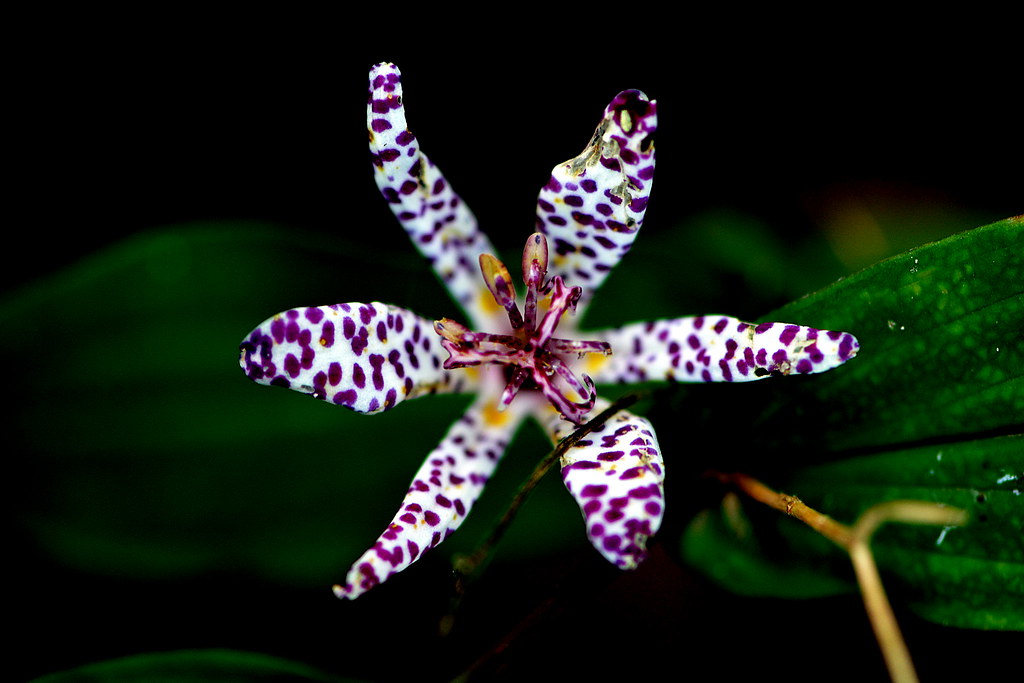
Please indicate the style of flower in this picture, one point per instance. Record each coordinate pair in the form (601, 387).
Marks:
(370, 357)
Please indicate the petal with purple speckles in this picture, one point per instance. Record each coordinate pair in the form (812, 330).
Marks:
(439, 497)
(593, 206)
(437, 220)
(616, 475)
(367, 357)
(717, 348)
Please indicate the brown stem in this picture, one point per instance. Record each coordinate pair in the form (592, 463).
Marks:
(856, 541)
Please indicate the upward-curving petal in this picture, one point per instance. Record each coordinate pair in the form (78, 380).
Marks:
(367, 357)
(440, 496)
(437, 220)
(717, 349)
(616, 475)
(593, 206)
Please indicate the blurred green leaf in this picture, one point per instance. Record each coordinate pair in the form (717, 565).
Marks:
(143, 450)
(917, 415)
(200, 666)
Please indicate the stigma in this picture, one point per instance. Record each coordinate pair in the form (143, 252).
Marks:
(534, 359)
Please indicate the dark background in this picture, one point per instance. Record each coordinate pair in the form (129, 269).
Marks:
(247, 117)
(164, 119)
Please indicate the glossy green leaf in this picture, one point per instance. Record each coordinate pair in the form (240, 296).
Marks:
(942, 347)
(198, 666)
(964, 576)
(929, 410)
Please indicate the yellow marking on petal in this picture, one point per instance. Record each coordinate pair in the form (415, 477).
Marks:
(594, 362)
(487, 302)
(494, 417)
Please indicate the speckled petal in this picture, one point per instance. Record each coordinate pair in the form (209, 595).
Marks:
(593, 205)
(717, 348)
(440, 496)
(437, 220)
(616, 474)
(367, 357)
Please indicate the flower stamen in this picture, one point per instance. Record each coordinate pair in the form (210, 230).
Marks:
(530, 352)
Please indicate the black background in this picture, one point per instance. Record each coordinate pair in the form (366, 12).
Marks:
(122, 123)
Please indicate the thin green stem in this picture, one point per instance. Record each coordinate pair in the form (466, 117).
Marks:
(469, 566)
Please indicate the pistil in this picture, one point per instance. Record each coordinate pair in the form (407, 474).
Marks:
(531, 354)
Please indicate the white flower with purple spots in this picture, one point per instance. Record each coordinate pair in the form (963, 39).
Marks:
(520, 362)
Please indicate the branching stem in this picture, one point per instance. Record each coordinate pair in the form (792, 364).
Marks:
(855, 541)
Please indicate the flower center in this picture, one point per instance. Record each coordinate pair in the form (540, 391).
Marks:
(533, 357)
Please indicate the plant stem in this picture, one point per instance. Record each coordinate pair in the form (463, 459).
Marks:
(467, 565)
(855, 541)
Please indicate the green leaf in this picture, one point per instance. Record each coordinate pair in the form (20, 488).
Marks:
(144, 451)
(931, 409)
(724, 546)
(941, 329)
(200, 666)
(964, 576)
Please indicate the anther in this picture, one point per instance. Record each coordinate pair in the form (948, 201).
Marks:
(499, 282)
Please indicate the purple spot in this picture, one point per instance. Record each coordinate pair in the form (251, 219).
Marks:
(847, 347)
(376, 362)
(277, 329)
(726, 371)
(593, 490)
(334, 374)
(360, 342)
(346, 398)
(788, 334)
(327, 334)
